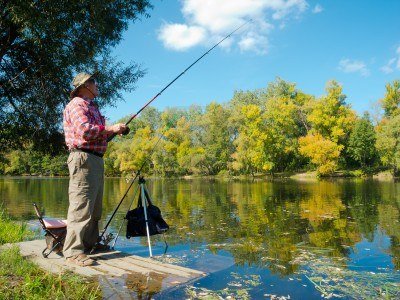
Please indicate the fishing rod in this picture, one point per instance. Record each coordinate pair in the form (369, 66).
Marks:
(176, 78)
(136, 114)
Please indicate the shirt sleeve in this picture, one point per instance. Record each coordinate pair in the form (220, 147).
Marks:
(104, 133)
(81, 121)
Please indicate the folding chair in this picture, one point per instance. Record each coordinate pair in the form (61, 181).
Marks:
(55, 232)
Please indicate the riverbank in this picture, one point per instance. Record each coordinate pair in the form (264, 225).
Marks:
(22, 279)
(305, 175)
(302, 175)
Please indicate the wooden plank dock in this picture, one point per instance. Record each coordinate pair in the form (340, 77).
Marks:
(121, 275)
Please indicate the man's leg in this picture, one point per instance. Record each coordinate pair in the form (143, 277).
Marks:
(97, 180)
(82, 193)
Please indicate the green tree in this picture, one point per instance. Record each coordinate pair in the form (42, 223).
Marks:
(42, 45)
(149, 117)
(391, 100)
(241, 98)
(130, 154)
(280, 88)
(362, 141)
(215, 139)
(285, 122)
(17, 163)
(249, 156)
(111, 162)
(331, 121)
(331, 116)
(388, 142)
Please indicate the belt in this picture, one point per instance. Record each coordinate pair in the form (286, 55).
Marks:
(87, 151)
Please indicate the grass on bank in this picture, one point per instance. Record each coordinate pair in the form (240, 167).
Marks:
(22, 279)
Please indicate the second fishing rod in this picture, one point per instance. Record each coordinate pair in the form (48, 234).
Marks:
(111, 137)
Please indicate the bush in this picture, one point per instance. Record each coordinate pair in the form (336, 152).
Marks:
(11, 232)
(20, 162)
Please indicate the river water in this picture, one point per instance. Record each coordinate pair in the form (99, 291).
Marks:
(257, 240)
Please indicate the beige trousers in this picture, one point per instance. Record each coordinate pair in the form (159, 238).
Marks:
(85, 191)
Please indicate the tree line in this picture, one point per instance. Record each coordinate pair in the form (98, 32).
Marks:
(265, 131)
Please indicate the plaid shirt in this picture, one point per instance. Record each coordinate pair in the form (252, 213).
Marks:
(84, 126)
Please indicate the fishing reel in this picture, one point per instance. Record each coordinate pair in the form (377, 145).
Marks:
(126, 131)
(108, 238)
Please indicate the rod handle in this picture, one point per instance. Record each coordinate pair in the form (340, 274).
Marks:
(110, 138)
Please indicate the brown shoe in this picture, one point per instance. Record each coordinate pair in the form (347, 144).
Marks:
(81, 260)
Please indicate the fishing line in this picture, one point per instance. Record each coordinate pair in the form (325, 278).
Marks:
(126, 193)
(111, 137)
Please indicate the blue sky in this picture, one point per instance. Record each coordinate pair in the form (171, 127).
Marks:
(356, 42)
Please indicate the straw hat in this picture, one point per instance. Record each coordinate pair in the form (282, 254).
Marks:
(79, 80)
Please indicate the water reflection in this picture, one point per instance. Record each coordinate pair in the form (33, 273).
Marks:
(263, 224)
(144, 286)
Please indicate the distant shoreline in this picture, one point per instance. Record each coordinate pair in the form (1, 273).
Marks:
(300, 176)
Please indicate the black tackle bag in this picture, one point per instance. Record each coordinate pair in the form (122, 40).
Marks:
(136, 220)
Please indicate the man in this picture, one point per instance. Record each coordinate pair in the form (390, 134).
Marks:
(86, 138)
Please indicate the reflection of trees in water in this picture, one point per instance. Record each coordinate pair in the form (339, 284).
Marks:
(18, 194)
(331, 226)
(361, 199)
(144, 286)
(263, 223)
(376, 204)
(259, 223)
(389, 216)
(269, 225)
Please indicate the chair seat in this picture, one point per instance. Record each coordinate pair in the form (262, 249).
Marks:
(52, 224)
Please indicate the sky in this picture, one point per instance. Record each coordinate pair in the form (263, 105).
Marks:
(307, 42)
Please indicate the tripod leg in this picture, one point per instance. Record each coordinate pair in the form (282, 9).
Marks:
(144, 203)
(166, 244)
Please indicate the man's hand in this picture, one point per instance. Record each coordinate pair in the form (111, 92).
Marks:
(118, 128)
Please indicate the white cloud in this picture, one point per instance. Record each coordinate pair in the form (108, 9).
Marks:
(317, 9)
(392, 64)
(353, 66)
(253, 42)
(388, 68)
(207, 21)
(181, 36)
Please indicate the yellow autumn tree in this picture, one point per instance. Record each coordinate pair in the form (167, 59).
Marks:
(131, 154)
(331, 122)
(331, 116)
(322, 152)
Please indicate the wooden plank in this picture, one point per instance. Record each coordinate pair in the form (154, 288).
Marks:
(152, 261)
(123, 266)
(54, 263)
(121, 275)
(156, 266)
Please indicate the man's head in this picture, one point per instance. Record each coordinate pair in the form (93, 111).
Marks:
(84, 85)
